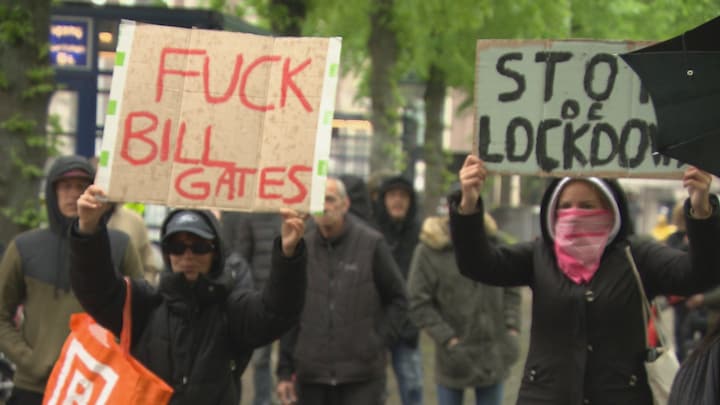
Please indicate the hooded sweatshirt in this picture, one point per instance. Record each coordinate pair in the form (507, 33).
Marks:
(587, 341)
(402, 236)
(197, 336)
(34, 273)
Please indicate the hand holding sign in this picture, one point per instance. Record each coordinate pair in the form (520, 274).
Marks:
(91, 207)
(697, 183)
(472, 178)
(293, 228)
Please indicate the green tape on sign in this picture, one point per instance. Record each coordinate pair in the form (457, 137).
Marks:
(327, 118)
(104, 158)
(322, 168)
(333, 70)
(119, 58)
(317, 213)
(112, 105)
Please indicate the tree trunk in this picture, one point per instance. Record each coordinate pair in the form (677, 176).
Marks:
(435, 168)
(25, 87)
(383, 47)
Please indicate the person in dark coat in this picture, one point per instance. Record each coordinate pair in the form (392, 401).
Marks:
(355, 301)
(396, 216)
(249, 237)
(474, 326)
(35, 282)
(197, 330)
(697, 382)
(360, 203)
(587, 341)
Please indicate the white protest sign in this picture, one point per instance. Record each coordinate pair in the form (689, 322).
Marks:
(216, 119)
(564, 108)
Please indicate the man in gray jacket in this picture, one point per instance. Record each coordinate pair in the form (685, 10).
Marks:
(354, 301)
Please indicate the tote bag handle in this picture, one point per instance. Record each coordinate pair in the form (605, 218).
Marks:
(126, 331)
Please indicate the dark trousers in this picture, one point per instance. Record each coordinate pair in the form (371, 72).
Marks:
(371, 392)
(25, 397)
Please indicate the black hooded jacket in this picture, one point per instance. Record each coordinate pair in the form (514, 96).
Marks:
(587, 342)
(401, 236)
(34, 273)
(357, 191)
(195, 336)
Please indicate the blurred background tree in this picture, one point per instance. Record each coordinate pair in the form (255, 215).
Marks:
(433, 42)
(26, 82)
(385, 42)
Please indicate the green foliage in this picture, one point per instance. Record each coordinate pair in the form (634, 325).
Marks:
(15, 25)
(639, 19)
(348, 20)
(43, 53)
(40, 74)
(37, 90)
(217, 5)
(18, 124)
(4, 83)
(27, 171)
(54, 130)
(41, 83)
(29, 215)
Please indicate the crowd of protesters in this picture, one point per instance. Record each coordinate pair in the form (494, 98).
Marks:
(346, 294)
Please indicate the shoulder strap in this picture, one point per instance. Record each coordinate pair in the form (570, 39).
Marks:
(126, 332)
(646, 309)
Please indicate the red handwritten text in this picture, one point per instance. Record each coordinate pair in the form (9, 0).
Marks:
(287, 82)
(141, 129)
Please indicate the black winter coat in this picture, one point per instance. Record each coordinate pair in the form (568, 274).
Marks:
(587, 340)
(251, 235)
(196, 337)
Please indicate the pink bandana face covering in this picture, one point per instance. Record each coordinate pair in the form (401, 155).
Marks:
(580, 239)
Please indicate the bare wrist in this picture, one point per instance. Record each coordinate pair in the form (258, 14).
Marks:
(466, 208)
(288, 251)
(85, 228)
(703, 213)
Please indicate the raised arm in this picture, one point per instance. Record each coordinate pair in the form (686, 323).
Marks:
(257, 319)
(476, 257)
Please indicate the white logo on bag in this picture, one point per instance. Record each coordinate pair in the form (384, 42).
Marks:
(79, 388)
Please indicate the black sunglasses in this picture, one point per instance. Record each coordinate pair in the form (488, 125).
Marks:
(179, 248)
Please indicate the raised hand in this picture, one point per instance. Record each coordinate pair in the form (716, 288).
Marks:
(285, 391)
(91, 207)
(293, 228)
(472, 178)
(697, 183)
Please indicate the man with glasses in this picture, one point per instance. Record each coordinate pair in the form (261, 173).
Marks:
(35, 276)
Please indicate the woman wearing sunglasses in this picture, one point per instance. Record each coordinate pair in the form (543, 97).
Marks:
(198, 328)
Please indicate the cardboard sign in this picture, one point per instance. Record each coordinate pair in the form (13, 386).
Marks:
(564, 108)
(215, 119)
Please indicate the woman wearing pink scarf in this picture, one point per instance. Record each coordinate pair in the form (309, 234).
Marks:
(587, 342)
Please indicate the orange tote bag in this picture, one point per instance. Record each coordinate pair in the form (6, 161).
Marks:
(95, 370)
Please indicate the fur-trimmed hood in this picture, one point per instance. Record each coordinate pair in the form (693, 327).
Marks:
(435, 231)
